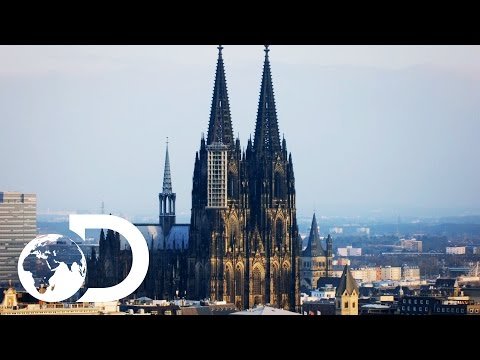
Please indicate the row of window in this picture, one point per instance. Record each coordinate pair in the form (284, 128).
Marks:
(452, 310)
(414, 308)
(409, 301)
(308, 264)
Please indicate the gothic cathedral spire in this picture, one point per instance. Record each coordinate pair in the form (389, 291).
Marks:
(267, 138)
(167, 177)
(167, 199)
(220, 126)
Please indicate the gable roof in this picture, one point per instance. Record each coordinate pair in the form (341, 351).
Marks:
(347, 283)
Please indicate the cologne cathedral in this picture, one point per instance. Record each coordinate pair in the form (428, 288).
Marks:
(242, 245)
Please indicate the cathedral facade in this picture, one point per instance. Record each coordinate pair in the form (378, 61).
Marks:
(244, 245)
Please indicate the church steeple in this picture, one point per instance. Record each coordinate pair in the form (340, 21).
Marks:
(314, 246)
(220, 126)
(167, 198)
(267, 138)
(346, 295)
(167, 177)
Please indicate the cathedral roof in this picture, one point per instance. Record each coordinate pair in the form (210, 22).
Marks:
(220, 128)
(347, 283)
(265, 310)
(176, 238)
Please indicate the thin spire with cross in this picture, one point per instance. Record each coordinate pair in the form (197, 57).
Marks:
(167, 177)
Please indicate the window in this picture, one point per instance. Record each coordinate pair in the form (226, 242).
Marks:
(409, 301)
(415, 301)
(471, 311)
(438, 309)
(238, 281)
(421, 302)
(257, 281)
(404, 301)
(426, 309)
(279, 234)
(462, 311)
(414, 308)
(457, 311)
(278, 189)
(346, 305)
(426, 302)
(228, 283)
(353, 305)
(403, 308)
(476, 311)
(443, 309)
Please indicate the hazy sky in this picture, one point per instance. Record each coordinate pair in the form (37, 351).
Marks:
(371, 128)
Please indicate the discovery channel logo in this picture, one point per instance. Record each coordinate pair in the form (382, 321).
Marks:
(67, 280)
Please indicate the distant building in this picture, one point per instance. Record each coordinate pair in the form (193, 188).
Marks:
(319, 307)
(455, 250)
(411, 273)
(476, 250)
(391, 273)
(315, 262)
(349, 251)
(412, 245)
(326, 292)
(9, 299)
(418, 305)
(346, 296)
(336, 230)
(377, 309)
(365, 274)
(363, 230)
(341, 262)
(18, 226)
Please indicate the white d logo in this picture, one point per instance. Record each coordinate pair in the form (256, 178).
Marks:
(68, 285)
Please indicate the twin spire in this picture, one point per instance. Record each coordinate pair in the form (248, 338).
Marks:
(267, 138)
(220, 128)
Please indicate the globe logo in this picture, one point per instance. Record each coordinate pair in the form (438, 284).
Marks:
(55, 262)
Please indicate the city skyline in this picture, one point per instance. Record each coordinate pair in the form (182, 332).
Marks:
(393, 130)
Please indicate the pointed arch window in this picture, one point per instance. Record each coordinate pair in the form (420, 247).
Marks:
(279, 233)
(239, 281)
(228, 283)
(278, 186)
(257, 281)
